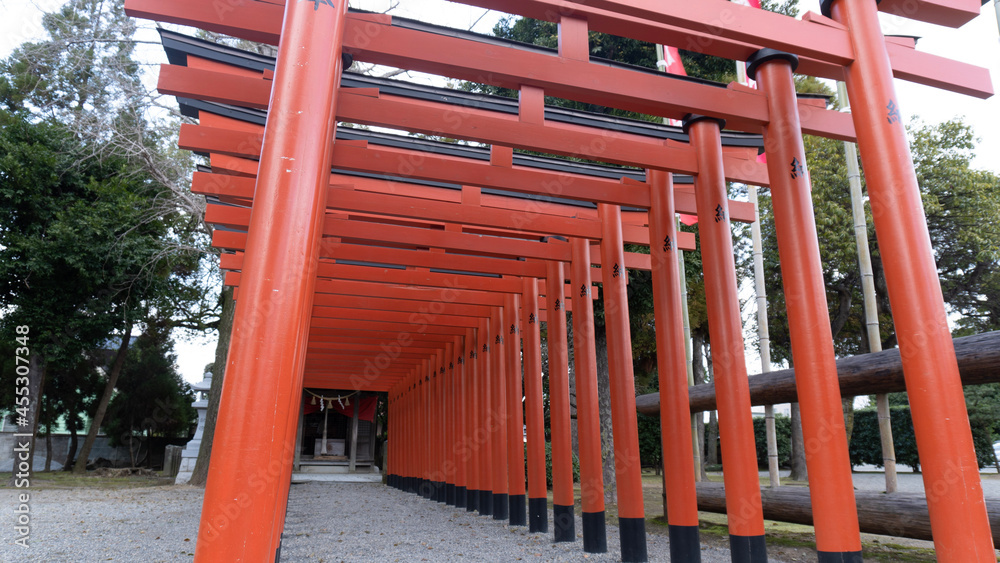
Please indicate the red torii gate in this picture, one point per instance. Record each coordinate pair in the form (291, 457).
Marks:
(279, 309)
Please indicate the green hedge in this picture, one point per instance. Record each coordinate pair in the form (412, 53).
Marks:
(866, 444)
(548, 464)
(783, 431)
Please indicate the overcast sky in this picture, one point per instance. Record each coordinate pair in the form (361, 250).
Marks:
(978, 42)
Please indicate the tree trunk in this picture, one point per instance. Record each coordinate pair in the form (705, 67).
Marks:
(901, 514)
(848, 403)
(698, 369)
(71, 456)
(604, 405)
(712, 454)
(48, 447)
(574, 435)
(798, 457)
(878, 372)
(109, 387)
(36, 386)
(712, 440)
(200, 472)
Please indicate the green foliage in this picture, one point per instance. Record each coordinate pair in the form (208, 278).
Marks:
(77, 249)
(866, 445)
(151, 399)
(650, 440)
(548, 464)
(783, 432)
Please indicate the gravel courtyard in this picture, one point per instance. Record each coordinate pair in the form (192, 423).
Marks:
(326, 522)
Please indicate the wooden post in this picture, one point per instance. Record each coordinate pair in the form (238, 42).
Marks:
(827, 457)
(297, 463)
(680, 502)
(564, 523)
(628, 468)
(746, 524)
(588, 417)
(538, 520)
(244, 504)
(934, 388)
(352, 463)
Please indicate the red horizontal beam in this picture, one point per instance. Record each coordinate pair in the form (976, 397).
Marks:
(649, 93)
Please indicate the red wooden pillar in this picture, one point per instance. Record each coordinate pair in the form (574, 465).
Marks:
(515, 418)
(243, 508)
(831, 489)
(424, 443)
(675, 419)
(484, 439)
(564, 522)
(469, 453)
(538, 518)
(628, 468)
(437, 406)
(588, 417)
(739, 455)
(458, 393)
(406, 455)
(940, 421)
(448, 411)
(498, 416)
(451, 408)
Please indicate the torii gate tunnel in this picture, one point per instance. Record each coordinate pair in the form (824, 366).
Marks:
(378, 262)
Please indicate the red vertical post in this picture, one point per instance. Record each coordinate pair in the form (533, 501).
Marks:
(457, 446)
(515, 417)
(498, 410)
(588, 417)
(448, 411)
(628, 468)
(424, 443)
(437, 406)
(484, 439)
(469, 446)
(739, 455)
(451, 428)
(563, 519)
(955, 502)
(534, 417)
(835, 515)
(675, 418)
(242, 511)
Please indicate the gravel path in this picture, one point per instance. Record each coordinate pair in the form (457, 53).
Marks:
(326, 522)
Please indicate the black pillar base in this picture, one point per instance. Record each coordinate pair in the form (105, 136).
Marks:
(486, 503)
(500, 506)
(518, 510)
(595, 536)
(440, 491)
(460, 497)
(563, 523)
(748, 549)
(426, 489)
(633, 536)
(685, 544)
(449, 494)
(538, 515)
(840, 557)
(471, 500)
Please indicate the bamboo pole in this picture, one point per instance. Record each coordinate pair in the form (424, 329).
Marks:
(868, 290)
(764, 338)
